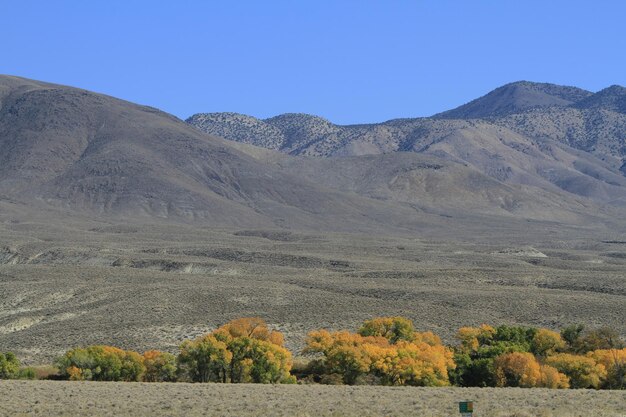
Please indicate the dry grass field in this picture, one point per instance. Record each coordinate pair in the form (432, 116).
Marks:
(55, 398)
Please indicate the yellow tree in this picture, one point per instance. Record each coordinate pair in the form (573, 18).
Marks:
(422, 360)
(252, 327)
(204, 359)
(101, 363)
(552, 378)
(614, 361)
(546, 342)
(582, 371)
(418, 364)
(472, 338)
(345, 353)
(243, 350)
(393, 329)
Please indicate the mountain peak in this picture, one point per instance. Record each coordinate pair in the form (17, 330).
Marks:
(612, 98)
(516, 97)
(247, 129)
(297, 118)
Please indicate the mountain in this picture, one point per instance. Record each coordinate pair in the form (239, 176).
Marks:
(612, 98)
(247, 129)
(70, 152)
(63, 148)
(550, 137)
(516, 97)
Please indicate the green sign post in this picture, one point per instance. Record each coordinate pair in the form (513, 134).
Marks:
(466, 408)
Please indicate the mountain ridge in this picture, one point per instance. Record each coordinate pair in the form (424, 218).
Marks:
(494, 143)
(69, 150)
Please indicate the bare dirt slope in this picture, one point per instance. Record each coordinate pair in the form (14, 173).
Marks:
(52, 398)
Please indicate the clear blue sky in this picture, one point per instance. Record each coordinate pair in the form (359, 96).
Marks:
(349, 61)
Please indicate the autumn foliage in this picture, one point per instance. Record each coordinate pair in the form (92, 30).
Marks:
(384, 350)
(387, 348)
(582, 371)
(521, 369)
(160, 366)
(244, 350)
(101, 363)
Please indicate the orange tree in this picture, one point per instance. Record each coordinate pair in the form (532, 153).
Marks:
(521, 369)
(387, 348)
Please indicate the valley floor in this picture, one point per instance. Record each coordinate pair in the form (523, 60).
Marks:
(56, 398)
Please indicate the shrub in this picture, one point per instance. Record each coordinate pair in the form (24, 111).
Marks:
(9, 365)
(27, 373)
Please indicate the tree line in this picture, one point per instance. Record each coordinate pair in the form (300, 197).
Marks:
(383, 351)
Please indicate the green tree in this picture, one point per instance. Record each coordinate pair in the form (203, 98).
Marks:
(9, 365)
(204, 359)
(571, 334)
(478, 348)
(582, 371)
(160, 366)
(602, 338)
(101, 363)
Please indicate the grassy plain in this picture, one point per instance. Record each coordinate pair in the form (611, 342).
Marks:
(57, 398)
